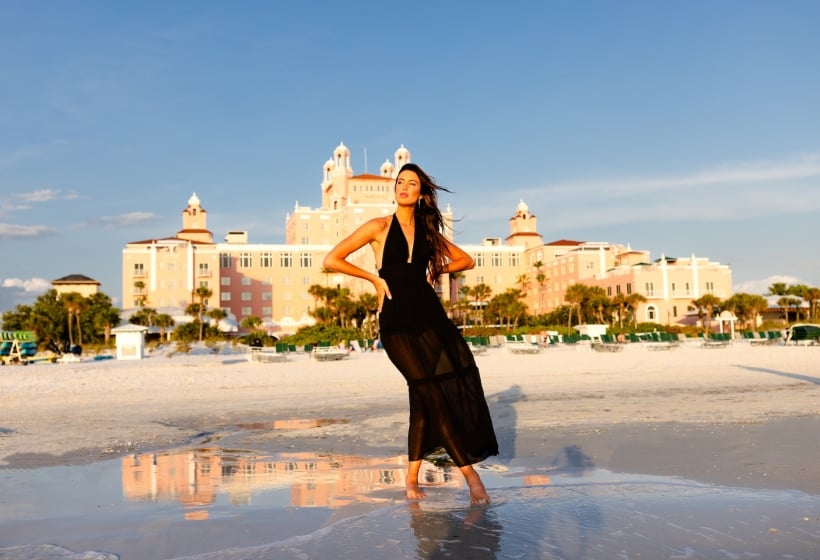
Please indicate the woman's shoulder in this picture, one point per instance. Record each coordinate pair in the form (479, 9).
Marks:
(381, 223)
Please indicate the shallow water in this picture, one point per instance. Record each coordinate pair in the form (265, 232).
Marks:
(209, 502)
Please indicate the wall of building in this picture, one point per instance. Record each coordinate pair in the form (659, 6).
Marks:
(271, 281)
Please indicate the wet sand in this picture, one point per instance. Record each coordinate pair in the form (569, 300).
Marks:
(729, 420)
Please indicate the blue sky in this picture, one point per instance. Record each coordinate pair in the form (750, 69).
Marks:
(676, 127)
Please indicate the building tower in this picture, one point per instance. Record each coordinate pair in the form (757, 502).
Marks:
(195, 222)
(523, 228)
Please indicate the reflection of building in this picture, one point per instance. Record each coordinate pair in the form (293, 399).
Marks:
(271, 281)
(195, 478)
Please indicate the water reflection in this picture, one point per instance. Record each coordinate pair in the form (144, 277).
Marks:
(443, 534)
(196, 477)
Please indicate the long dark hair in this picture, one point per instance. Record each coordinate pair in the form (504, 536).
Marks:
(429, 216)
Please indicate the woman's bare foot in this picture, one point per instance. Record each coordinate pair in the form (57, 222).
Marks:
(478, 494)
(413, 492)
(411, 484)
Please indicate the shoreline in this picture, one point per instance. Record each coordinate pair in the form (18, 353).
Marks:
(737, 415)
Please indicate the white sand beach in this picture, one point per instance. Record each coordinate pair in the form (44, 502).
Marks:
(725, 420)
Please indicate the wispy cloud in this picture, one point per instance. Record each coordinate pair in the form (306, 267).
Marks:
(10, 158)
(762, 286)
(736, 174)
(42, 195)
(17, 231)
(120, 220)
(32, 285)
(24, 201)
(18, 291)
(728, 192)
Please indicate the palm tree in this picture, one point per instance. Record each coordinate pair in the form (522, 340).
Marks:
(620, 301)
(574, 296)
(317, 292)
(812, 296)
(202, 294)
(104, 316)
(72, 302)
(164, 322)
(523, 282)
(507, 307)
(633, 301)
(541, 280)
(251, 323)
(142, 299)
(464, 303)
(370, 303)
(778, 289)
(216, 315)
(787, 302)
(706, 305)
(481, 293)
(599, 303)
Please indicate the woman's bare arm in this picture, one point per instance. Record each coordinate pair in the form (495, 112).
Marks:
(459, 259)
(370, 233)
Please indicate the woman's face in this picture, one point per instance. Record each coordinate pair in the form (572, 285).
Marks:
(408, 188)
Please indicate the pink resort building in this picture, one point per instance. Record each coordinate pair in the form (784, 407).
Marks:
(271, 281)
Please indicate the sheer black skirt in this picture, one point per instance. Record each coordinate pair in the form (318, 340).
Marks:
(447, 404)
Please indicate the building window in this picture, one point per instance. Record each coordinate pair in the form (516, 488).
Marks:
(674, 311)
(479, 279)
(224, 260)
(266, 296)
(246, 296)
(225, 296)
(245, 260)
(225, 281)
(139, 269)
(609, 291)
(286, 260)
(496, 259)
(267, 311)
(628, 288)
(267, 260)
(479, 259)
(710, 287)
(515, 260)
(246, 311)
(305, 260)
(305, 240)
(246, 281)
(172, 267)
(650, 289)
(651, 313)
(203, 269)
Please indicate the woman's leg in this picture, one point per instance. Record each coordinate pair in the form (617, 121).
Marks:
(411, 485)
(478, 494)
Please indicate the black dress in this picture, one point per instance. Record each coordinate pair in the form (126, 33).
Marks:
(447, 404)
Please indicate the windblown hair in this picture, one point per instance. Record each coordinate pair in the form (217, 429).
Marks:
(429, 216)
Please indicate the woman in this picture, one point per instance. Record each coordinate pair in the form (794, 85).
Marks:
(447, 404)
